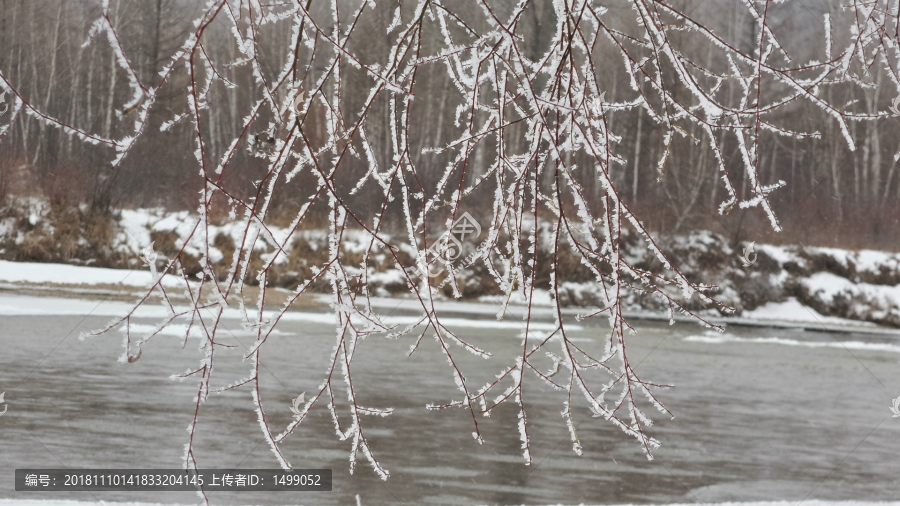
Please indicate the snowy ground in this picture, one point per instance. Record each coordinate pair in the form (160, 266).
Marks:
(16, 275)
(804, 285)
(23, 305)
(73, 275)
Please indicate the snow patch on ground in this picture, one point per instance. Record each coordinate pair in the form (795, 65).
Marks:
(786, 282)
(779, 253)
(793, 311)
(828, 285)
(40, 273)
(179, 330)
(713, 337)
(540, 298)
(872, 261)
(50, 306)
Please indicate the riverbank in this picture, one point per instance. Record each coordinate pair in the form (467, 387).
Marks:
(782, 282)
(60, 281)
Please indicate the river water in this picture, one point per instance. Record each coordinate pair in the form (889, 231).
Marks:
(760, 414)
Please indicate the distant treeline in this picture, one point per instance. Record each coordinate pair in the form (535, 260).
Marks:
(832, 196)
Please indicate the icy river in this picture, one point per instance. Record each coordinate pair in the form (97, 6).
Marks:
(760, 414)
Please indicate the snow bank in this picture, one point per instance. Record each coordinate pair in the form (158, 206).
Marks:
(40, 273)
(713, 337)
(792, 310)
(859, 300)
(17, 305)
(65, 502)
(784, 283)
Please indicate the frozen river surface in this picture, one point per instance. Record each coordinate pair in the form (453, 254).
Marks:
(760, 414)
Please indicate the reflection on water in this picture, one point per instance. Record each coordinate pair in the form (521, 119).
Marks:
(753, 420)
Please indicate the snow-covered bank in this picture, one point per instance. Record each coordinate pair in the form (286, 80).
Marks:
(482, 313)
(62, 274)
(712, 337)
(801, 284)
(782, 283)
(788, 314)
(20, 305)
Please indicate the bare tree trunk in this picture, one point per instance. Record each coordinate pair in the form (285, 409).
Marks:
(773, 177)
(890, 178)
(855, 156)
(73, 98)
(793, 180)
(111, 95)
(637, 156)
(694, 190)
(34, 79)
(110, 98)
(89, 116)
(835, 181)
(874, 171)
(14, 34)
(154, 42)
(51, 83)
(835, 175)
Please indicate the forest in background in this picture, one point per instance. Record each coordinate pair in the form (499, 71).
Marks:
(833, 196)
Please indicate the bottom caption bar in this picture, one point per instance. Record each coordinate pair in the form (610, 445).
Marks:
(235, 480)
